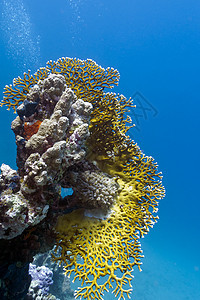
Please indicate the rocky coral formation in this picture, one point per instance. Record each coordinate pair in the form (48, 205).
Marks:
(44, 156)
(17, 213)
(92, 188)
(50, 130)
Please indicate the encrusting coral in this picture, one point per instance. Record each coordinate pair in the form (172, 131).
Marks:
(70, 133)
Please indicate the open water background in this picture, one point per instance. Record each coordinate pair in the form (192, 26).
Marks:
(155, 45)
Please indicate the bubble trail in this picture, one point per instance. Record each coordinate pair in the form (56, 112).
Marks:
(22, 45)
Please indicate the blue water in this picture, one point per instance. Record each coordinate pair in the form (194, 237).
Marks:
(155, 45)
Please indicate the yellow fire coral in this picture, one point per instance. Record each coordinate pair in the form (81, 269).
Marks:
(110, 247)
(101, 248)
(84, 77)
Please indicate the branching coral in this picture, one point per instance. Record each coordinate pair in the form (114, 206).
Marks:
(71, 133)
(109, 246)
(84, 77)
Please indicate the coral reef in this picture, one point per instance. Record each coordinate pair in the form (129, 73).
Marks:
(71, 133)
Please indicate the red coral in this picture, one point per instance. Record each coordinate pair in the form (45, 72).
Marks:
(31, 128)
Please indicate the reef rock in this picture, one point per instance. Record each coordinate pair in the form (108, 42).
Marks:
(50, 130)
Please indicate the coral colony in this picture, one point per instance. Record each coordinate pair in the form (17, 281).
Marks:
(71, 133)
